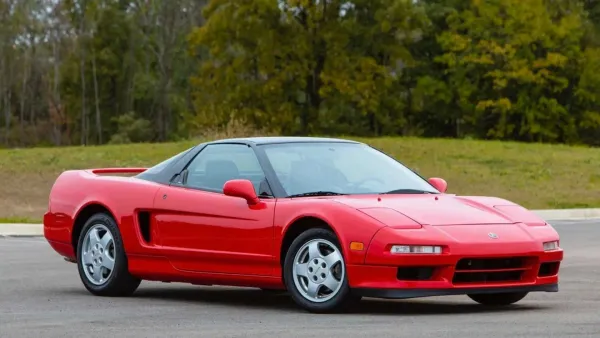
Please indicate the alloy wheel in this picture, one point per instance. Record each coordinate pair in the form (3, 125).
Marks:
(98, 254)
(318, 270)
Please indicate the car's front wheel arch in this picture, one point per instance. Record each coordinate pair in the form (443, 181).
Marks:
(298, 227)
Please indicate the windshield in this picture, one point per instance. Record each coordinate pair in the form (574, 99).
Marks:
(342, 168)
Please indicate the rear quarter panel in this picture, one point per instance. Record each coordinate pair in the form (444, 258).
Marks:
(74, 191)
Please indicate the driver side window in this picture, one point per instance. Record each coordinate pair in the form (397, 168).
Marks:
(219, 163)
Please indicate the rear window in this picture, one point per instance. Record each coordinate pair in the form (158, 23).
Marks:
(157, 169)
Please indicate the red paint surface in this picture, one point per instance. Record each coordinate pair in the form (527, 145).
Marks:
(210, 238)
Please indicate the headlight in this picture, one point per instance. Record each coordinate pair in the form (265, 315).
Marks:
(549, 246)
(418, 249)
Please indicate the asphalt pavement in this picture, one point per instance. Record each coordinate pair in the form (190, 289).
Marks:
(41, 296)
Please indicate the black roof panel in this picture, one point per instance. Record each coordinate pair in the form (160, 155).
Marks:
(281, 139)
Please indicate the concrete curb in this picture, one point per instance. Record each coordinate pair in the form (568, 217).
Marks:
(37, 230)
(21, 230)
(568, 214)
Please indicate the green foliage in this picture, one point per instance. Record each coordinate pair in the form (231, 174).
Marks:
(515, 59)
(305, 67)
(86, 72)
(131, 129)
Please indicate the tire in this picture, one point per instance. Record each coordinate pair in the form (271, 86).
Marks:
(498, 299)
(333, 299)
(115, 283)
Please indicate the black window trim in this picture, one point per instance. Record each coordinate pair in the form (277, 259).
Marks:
(174, 170)
(275, 190)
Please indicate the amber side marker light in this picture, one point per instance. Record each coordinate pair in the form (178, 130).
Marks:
(357, 246)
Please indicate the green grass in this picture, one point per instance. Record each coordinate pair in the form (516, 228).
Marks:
(24, 220)
(534, 175)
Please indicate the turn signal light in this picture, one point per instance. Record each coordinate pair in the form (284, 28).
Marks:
(417, 249)
(357, 246)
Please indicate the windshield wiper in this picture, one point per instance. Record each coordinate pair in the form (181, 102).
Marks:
(317, 193)
(407, 191)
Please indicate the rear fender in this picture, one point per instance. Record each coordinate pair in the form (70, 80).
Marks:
(122, 197)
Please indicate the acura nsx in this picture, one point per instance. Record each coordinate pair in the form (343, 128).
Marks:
(329, 221)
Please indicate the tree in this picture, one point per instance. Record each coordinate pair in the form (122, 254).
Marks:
(512, 63)
(303, 66)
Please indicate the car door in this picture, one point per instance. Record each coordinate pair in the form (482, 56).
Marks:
(201, 229)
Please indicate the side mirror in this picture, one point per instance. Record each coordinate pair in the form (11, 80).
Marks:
(439, 183)
(241, 188)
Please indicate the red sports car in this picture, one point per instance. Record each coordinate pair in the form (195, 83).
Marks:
(328, 220)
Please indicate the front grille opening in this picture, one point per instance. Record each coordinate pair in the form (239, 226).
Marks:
(415, 273)
(491, 263)
(548, 269)
(487, 277)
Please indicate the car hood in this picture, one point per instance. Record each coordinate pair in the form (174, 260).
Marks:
(439, 209)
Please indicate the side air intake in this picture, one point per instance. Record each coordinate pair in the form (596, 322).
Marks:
(144, 224)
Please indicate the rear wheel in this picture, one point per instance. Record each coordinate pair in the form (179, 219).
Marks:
(498, 299)
(101, 258)
(315, 272)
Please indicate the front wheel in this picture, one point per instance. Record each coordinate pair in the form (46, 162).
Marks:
(101, 259)
(498, 299)
(315, 272)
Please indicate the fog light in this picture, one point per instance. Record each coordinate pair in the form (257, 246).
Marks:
(419, 249)
(549, 246)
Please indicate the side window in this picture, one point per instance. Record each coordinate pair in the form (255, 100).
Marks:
(219, 163)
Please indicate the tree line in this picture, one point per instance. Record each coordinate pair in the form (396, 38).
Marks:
(116, 71)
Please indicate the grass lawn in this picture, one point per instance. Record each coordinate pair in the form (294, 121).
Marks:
(536, 176)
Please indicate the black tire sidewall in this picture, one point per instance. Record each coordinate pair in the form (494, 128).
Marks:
(498, 299)
(343, 295)
(120, 273)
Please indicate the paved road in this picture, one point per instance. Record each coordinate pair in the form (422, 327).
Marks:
(41, 296)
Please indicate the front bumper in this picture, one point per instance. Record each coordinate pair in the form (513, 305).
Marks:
(515, 262)
(459, 272)
(427, 276)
